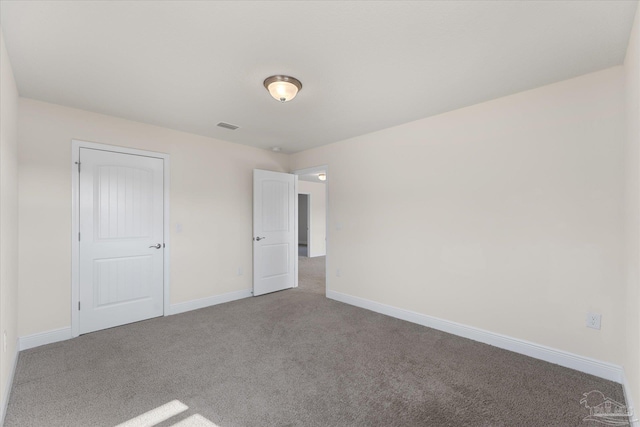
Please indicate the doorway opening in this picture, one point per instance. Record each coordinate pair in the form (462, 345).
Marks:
(312, 228)
(304, 212)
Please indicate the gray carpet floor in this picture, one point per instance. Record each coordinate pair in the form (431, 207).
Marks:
(293, 358)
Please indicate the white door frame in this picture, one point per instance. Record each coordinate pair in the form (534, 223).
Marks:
(76, 145)
(316, 169)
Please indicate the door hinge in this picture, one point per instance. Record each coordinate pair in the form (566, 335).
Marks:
(78, 236)
(78, 163)
(78, 305)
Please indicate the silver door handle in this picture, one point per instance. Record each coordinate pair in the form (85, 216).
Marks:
(158, 246)
(260, 238)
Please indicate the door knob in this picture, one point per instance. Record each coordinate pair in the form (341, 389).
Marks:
(158, 246)
(260, 238)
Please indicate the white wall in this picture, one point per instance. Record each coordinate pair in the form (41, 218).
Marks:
(318, 225)
(8, 222)
(506, 216)
(632, 232)
(211, 196)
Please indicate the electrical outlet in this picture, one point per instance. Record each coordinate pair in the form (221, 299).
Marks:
(338, 273)
(240, 271)
(593, 320)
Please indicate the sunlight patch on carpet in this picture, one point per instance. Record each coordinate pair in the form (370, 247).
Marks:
(157, 415)
(196, 420)
(163, 413)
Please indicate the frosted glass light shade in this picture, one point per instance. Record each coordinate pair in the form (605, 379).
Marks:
(322, 177)
(283, 88)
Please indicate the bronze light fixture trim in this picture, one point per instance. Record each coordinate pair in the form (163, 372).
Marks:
(283, 88)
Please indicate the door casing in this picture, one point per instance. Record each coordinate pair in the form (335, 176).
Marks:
(75, 222)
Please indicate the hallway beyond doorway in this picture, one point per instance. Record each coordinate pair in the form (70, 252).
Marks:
(303, 250)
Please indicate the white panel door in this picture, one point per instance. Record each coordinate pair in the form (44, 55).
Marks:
(274, 245)
(121, 239)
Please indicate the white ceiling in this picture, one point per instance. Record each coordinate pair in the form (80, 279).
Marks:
(364, 66)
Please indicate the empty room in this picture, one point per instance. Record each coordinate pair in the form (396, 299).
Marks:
(319, 213)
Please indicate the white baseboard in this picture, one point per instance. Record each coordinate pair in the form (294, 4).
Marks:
(559, 357)
(317, 255)
(8, 385)
(209, 301)
(43, 338)
(62, 334)
(635, 422)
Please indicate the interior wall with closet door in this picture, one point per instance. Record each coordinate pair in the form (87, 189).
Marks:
(210, 195)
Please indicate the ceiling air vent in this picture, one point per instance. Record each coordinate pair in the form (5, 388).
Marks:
(228, 126)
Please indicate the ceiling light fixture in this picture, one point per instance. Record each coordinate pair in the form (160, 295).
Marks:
(282, 88)
(322, 177)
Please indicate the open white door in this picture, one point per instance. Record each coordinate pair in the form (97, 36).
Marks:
(274, 236)
(121, 239)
